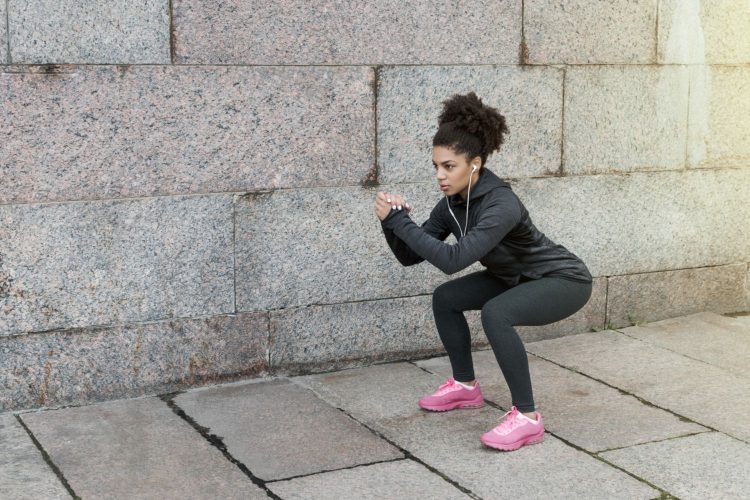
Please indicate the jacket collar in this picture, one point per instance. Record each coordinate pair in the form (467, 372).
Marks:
(487, 181)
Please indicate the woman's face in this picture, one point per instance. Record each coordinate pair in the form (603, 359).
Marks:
(452, 171)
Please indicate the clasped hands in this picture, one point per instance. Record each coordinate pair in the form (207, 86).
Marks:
(385, 202)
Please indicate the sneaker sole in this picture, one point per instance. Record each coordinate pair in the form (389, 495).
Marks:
(453, 406)
(516, 445)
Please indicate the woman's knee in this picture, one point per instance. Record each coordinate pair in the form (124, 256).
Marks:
(493, 314)
(443, 296)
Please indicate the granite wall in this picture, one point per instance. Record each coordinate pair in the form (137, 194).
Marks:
(187, 187)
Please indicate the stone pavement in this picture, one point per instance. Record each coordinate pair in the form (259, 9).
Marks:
(652, 411)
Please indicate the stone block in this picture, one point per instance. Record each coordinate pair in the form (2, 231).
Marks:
(91, 32)
(719, 116)
(639, 298)
(562, 396)
(136, 448)
(704, 32)
(66, 265)
(706, 465)
(410, 101)
(645, 221)
(659, 376)
(345, 33)
(625, 118)
(128, 131)
(278, 429)
(715, 339)
(324, 246)
(25, 474)
(581, 32)
(323, 338)
(398, 479)
(84, 365)
(3, 33)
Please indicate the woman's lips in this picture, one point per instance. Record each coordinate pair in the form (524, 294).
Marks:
(443, 187)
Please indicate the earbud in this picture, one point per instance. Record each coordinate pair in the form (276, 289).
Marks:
(473, 168)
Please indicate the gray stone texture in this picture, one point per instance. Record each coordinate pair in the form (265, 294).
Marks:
(128, 131)
(719, 116)
(322, 246)
(583, 32)
(91, 32)
(83, 365)
(23, 472)
(706, 465)
(709, 395)
(69, 265)
(344, 32)
(645, 221)
(704, 32)
(410, 100)
(450, 443)
(3, 33)
(278, 429)
(638, 298)
(706, 336)
(398, 479)
(625, 118)
(562, 396)
(136, 449)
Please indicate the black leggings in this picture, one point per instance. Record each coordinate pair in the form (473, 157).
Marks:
(530, 302)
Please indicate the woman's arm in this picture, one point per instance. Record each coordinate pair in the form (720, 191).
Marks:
(433, 226)
(501, 213)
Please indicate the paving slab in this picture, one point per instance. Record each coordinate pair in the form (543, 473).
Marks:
(706, 336)
(708, 395)
(401, 479)
(23, 472)
(706, 465)
(450, 443)
(576, 408)
(136, 448)
(279, 429)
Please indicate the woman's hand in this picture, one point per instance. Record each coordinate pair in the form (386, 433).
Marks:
(385, 202)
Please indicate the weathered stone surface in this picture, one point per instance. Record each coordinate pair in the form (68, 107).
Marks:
(89, 364)
(323, 246)
(450, 441)
(341, 32)
(705, 32)
(410, 100)
(645, 221)
(582, 32)
(719, 116)
(136, 449)
(67, 31)
(23, 472)
(715, 339)
(707, 465)
(114, 131)
(279, 429)
(562, 396)
(112, 262)
(625, 118)
(666, 379)
(637, 298)
(3, 34)
(399, 479)
(747, 289)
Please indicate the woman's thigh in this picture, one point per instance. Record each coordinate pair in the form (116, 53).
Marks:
(469, 292)
(539, 301)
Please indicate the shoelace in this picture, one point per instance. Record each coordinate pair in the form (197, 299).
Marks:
(446, 387)
(509, 423)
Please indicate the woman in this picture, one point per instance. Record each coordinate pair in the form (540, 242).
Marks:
(528, 280)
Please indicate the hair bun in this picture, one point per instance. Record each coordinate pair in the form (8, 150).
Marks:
(468, 113)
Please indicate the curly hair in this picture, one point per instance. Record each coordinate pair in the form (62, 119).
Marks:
(469, 127)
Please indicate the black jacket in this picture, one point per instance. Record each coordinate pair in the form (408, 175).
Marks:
(500, 236)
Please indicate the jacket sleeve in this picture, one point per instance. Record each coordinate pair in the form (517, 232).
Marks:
(433, 226)
(499, 215)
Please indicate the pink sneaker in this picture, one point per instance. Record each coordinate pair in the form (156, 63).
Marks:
(515, 431)
(452, 395)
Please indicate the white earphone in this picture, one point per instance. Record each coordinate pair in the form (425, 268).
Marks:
(462, 230)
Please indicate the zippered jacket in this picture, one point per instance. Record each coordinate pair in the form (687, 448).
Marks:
(500, 235)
